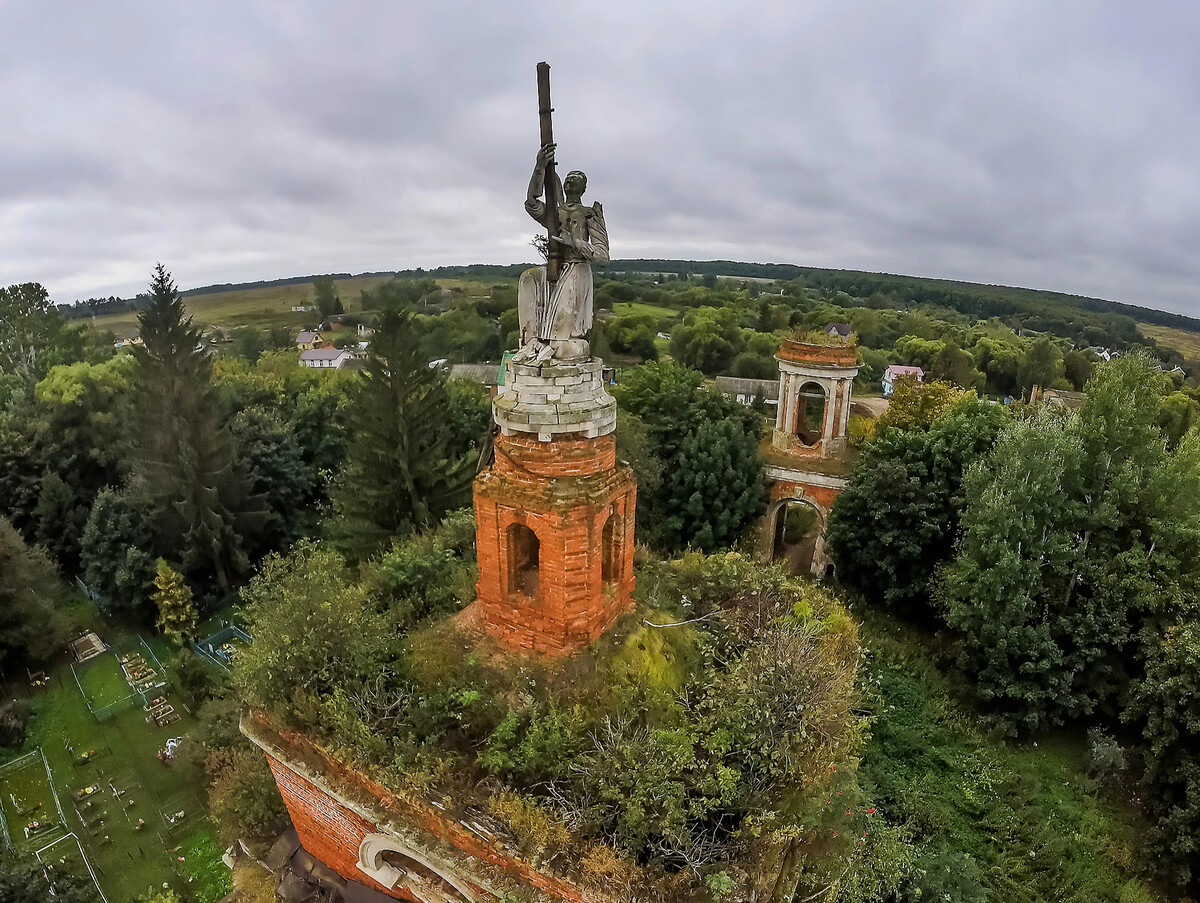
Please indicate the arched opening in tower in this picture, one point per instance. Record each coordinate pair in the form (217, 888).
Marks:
(610, 552)
(797, 526)
(810, 414)
(523, 547)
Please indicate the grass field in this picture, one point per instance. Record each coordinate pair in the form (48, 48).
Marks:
(991, 820)
(27, 797)
(103, 681)
(271, 305)
(1186, 343)
(133, 785)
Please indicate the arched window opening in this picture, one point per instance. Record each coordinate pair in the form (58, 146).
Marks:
(610, 551)
(523, 549)
(810, 414)
(797, 528)
(397, 868)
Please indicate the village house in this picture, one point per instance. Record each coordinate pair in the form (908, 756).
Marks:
(842, 330)
(308, 340)
(326, 358)
(896, 372)
(745, 391)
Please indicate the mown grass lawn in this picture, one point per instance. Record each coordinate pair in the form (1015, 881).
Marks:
(103, 681)
(134, 786)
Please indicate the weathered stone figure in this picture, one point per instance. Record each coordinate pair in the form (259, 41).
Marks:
(556, 315)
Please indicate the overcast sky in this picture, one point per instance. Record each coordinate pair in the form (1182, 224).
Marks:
(1046, 144)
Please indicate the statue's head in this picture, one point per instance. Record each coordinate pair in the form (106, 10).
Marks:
(575, 183)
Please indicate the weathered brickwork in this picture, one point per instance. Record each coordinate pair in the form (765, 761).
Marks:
(579, 503)
(823, 496)
(335, 807)
(832, 356)
(326, 828)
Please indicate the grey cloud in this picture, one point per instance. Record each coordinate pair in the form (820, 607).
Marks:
(1013, 142)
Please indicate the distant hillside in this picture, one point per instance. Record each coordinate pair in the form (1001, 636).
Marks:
(973, 299)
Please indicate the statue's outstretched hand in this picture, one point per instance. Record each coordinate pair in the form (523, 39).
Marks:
(546, 155)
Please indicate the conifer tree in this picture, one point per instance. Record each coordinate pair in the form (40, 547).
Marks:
(199, 499)
(176, 613)
(400, 473)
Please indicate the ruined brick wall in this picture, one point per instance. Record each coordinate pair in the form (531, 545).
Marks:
(334, 808)
(327, 829)
(580, 503)
(823, 496)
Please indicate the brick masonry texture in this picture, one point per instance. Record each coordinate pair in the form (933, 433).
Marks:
(334, 807)
(833, 356)
(580, 504)
(821, 495)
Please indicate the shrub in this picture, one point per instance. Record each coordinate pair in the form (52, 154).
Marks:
(14, 718)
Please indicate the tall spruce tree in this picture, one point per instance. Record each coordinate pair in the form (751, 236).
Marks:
(400, 473)
(200, 502)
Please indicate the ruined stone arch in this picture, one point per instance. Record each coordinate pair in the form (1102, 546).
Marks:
(397, 866)
(774, 524)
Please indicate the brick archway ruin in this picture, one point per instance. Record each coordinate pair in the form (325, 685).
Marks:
(773, 523)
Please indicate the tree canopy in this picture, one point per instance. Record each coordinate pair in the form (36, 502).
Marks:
(401, 473)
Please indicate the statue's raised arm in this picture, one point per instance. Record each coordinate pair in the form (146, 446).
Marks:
(534, 206)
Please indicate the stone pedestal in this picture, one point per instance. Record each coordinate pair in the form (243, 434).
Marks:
(556, 399)
(554, 514)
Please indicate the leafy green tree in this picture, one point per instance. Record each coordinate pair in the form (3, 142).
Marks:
(470, 417)
(715, 487)
(249, 343)
(955, 366)
(1077, 368)
(59, 446)
(896, 523)
(118, 564)
(671, 404)
(33, 337)
(272, 457)
(326, 297)
(173, 599)
(708, 339)
(1048, 603)
(399, 474)
(999, 358)
(1042, 365)
(31, 629)
(242, 794)
(641, 343)
(345, 639)
(1180, 412)
(1167, 706)
(749, 365)
(460, 335)
(201, 507)
(915, 405)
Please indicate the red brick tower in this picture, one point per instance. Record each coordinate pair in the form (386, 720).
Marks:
(554, 513)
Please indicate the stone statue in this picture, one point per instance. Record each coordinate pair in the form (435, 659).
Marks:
(556, 314)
